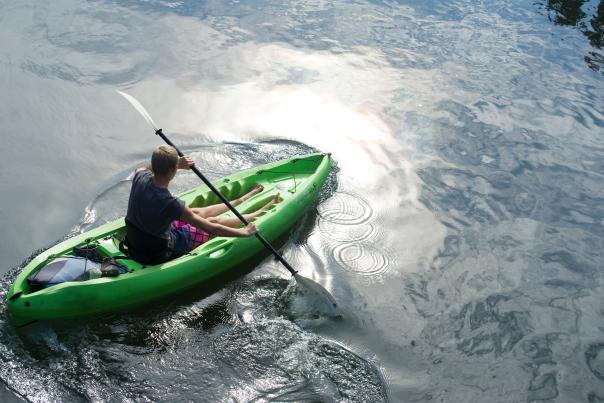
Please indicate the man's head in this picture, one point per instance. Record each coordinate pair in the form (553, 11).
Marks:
(164, 161)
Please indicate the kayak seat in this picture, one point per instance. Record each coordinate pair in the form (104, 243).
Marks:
(145, 248)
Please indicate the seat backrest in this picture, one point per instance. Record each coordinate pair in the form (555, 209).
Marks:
(146, 248)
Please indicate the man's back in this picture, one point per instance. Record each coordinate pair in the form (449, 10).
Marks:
(152, 208)
(160, 227)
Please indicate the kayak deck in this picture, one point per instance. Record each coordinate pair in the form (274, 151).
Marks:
(298, 180)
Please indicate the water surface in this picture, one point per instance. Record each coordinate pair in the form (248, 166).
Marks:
(461, 233)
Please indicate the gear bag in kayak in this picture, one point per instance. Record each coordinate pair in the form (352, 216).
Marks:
(63, 269)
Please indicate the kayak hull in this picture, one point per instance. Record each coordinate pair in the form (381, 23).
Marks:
(298, 180)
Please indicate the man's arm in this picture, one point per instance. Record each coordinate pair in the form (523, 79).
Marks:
(213, 228)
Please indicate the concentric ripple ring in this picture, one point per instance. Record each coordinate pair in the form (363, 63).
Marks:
(361, 259)
(346, 208)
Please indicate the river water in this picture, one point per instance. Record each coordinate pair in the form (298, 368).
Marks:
(461, 232)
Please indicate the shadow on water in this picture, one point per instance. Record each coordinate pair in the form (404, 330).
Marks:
(588, 18)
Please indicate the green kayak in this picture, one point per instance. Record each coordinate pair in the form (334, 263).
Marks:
(299, 181)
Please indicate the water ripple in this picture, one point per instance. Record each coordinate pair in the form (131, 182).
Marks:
(348, 233)
(595, 360)
(361, 259)
(280, 362)
(346, 209)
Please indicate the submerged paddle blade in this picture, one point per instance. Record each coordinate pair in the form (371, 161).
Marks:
(140, 108)
(324, 296)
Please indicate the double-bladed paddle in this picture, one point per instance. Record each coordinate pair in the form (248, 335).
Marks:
(300, 280)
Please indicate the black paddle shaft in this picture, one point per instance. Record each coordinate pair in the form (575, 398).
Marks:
(161, 134)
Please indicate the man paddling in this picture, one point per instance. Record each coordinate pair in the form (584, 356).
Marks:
(161, 227)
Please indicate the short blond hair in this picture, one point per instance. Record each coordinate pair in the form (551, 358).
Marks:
(163, 160)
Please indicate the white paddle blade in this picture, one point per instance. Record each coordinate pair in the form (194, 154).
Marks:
(322, 295)
(140, 108)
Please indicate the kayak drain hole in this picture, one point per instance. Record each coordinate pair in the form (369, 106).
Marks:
(27, 303)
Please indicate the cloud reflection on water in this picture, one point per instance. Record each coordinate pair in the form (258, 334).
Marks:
(319, 98)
